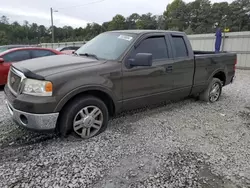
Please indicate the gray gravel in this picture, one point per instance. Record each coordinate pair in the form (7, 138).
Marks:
(183, 144)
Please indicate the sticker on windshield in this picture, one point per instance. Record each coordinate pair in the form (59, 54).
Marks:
(124, 37)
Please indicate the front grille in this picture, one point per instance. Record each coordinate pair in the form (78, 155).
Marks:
(14, 80)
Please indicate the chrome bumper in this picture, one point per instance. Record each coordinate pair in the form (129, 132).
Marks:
(33, 121)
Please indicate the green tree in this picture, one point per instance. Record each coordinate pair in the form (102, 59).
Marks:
(161, 23)
(117, 23)
(240, 19)
(131, 21)
(146, 21)
(220, 13)
(189, 31)
(176, 15)
(200, 16)
(4, 20)
(3, 38)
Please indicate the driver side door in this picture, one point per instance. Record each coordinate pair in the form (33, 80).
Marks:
(141, 85)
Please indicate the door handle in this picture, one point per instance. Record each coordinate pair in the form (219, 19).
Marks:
(169, 68)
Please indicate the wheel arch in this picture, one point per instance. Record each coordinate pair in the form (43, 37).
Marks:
(100, 92)
(220, 74)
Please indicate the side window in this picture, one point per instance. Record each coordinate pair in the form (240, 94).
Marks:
(154, 45)
(19, 55)
(41, 53)
(179, 46)
(75, 48)
(66, 48)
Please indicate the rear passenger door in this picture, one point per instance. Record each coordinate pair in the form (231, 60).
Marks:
(147, 85)
(41, 53)
(183, 67)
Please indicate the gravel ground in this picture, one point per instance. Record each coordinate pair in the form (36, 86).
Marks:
(183, 144)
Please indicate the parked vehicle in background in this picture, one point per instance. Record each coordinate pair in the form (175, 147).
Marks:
(13, 55)
(7, 47)
(68, 52)
(66, 48)
(114, 72)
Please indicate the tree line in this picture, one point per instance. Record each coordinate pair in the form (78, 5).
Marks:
(197, 17)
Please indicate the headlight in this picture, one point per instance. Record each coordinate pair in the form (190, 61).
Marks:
(37, 87)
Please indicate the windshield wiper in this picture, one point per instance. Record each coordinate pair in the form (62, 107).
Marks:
(89, 55)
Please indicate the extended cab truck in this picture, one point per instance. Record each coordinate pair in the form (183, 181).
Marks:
(114, 72)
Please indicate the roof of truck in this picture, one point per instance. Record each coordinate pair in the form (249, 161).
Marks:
(143, 31)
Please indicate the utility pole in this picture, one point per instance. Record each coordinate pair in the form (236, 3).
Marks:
(52, 25)
(224, 18)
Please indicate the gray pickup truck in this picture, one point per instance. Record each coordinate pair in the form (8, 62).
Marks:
(116, 71)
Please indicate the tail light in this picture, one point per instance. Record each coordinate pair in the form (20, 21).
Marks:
(235, 64)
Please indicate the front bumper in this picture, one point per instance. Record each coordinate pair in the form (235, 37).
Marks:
(39, 122)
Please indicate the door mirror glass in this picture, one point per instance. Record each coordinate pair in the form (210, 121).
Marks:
(1, 60)
(141, 59)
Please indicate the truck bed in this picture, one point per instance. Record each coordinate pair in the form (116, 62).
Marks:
(206, 62)
(199, 52)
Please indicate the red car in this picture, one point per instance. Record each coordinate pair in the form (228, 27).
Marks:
(19, 54)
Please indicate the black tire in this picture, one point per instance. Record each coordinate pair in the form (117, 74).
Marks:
(69, 112)
(206, 94)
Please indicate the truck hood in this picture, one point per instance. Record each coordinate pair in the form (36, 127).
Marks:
(45, 66)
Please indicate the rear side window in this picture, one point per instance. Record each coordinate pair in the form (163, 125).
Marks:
(65, 48)
(70, 48)
(180, 47)
(75, 48)
(19, 55)
(155, 45)
(41, 53)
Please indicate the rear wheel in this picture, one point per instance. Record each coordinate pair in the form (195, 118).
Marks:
(85, 116)
(213, 91)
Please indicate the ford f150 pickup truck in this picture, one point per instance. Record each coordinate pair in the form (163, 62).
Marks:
(116, 71)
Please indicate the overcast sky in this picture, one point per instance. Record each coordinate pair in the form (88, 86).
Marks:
(77, 13)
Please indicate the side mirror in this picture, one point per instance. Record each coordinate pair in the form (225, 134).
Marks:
(73, 52)
(1, 60)
(141, 59)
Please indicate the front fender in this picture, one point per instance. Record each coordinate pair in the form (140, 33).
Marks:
(83, 89)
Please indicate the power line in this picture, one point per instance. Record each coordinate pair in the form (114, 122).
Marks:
(90, 3)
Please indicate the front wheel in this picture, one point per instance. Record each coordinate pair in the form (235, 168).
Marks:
(213, 91)
(85, 116)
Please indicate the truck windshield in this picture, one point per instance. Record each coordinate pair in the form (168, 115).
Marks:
(109, 46)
